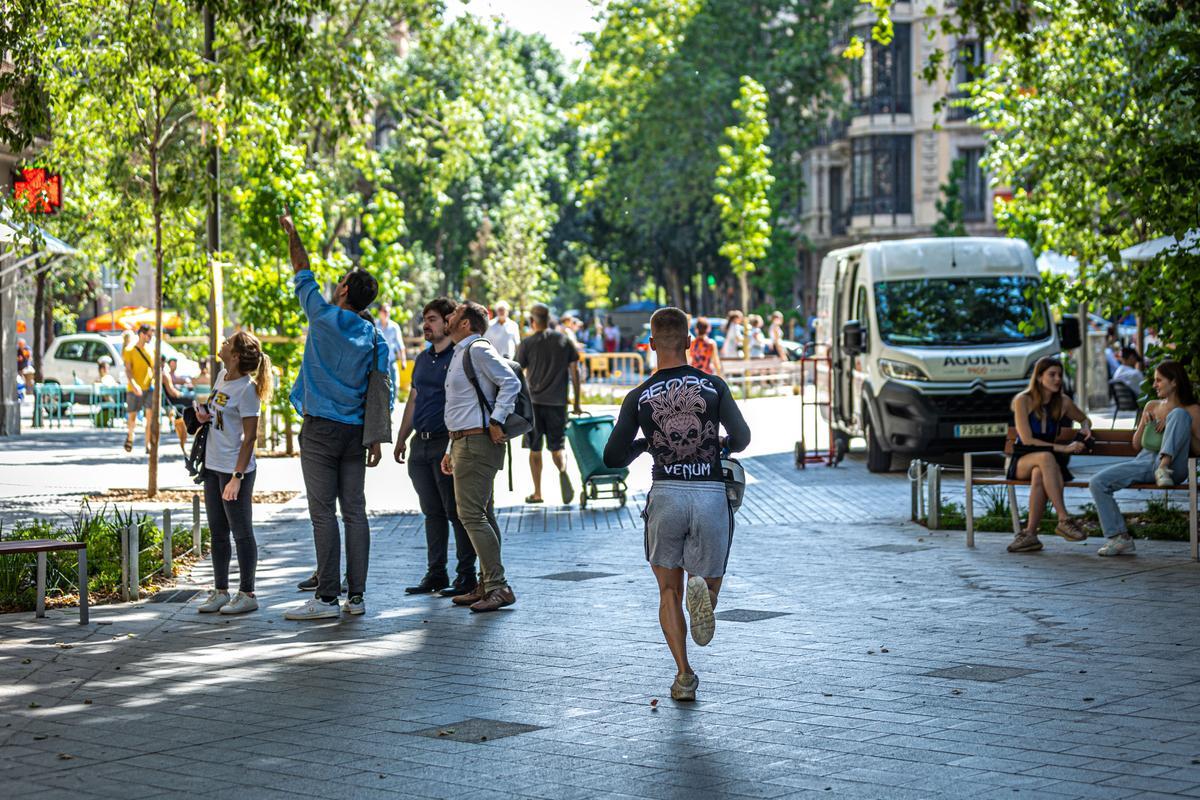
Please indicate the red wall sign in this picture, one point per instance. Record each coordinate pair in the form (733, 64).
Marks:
(40, 190)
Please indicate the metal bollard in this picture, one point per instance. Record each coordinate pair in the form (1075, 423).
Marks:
(196, 524)
(135, 558)
(125, 564)
(934, 504)
(168, 568)
(916, 475)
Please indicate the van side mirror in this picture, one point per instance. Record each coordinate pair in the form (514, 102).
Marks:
(853, 341)
(1069, 337)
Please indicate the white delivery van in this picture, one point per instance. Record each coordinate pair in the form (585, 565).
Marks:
(928, 340)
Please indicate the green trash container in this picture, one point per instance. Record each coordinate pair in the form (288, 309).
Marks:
(588, 436)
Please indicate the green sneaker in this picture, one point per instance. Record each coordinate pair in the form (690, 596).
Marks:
(700, 610)
(684, 687)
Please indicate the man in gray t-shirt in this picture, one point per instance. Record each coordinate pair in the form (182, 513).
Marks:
(549, 360)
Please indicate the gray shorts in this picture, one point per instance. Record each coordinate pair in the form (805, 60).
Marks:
(689, 524)
(134, 404)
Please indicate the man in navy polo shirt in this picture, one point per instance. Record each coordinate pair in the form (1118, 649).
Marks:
(424, 420)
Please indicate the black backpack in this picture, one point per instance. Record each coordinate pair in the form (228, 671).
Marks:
(520, 421)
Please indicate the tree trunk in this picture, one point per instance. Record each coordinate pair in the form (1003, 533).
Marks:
(39, 325)
(675, 295)
(153, 413)
(744, 291)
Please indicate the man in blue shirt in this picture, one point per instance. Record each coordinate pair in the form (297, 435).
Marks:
(394, 336)
(340, 351)
(424, 420)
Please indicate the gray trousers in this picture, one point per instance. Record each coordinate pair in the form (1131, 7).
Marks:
(334, 463)
(476, 462)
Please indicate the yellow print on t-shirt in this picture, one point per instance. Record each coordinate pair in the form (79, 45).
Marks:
(218, 402)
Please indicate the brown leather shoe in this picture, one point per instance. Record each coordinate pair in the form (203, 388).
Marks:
(495, 599)
(469, 598)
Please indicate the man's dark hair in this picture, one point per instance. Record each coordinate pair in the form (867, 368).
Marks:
(540, 314)
(1130, 352)
(442, 306)
(361, 288)
(669, 327)
(476, 316)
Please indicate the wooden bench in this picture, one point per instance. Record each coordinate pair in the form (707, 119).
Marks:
(41, 547)
(1117, 443)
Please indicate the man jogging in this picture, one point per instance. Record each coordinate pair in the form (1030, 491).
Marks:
(549, 358)
(340, 351)
(476, 450)
(689, 523)
(425, 421)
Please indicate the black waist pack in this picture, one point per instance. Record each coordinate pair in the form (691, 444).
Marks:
(199, 430)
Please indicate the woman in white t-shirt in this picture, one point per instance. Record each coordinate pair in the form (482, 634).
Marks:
(229, 468)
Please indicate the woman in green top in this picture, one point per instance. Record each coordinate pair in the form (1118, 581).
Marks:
(1168, 431)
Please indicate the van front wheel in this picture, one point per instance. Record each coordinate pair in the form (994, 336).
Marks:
(878, 459)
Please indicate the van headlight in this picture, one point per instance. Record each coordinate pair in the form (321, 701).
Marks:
(902, 370)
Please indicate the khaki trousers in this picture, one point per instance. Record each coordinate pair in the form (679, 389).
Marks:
(476, 462)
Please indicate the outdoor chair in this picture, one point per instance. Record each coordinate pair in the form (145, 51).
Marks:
(1124, 399)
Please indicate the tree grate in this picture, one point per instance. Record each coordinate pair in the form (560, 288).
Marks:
(477, 730)
(978, 672)
(576, 576)
(178, 596)
(747, 615)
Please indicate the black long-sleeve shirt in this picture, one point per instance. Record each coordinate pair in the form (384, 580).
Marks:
(680, 412)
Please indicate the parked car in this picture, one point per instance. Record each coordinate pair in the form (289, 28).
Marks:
(72, 358)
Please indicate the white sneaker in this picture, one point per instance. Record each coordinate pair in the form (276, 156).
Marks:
(315, 608)
(1121, 544)
(1163, 477)
(216, 599)
(354, 605)
(700, 610)
(240, 604)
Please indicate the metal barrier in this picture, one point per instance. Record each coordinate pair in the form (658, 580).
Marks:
(925, 480)
(131, 551)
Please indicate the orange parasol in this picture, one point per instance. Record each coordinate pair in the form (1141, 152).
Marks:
(131, 317)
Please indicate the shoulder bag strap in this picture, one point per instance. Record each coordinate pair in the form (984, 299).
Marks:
(469, 369)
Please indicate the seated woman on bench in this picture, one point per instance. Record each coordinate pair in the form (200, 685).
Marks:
(1039, 413)
(1168, 430)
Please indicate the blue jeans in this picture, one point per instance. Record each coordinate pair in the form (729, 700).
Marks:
(1176, 441)
(393, 376)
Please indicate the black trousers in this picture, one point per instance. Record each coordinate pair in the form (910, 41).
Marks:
(236, 518)
(334, 463)
(435, 491)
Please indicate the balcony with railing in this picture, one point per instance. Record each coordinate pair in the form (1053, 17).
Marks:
(956, 108)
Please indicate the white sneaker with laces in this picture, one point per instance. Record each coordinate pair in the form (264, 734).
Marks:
(354, 605)
(240, 604)
(1162, 476)
(315, 608)
(1121, 544)
(700, 610)
(216, 599)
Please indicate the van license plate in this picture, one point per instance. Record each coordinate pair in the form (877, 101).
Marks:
(980, 429)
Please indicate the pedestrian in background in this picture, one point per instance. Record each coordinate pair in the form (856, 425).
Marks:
(612, 336)
(550, 360)
(340, 351)
(425, 421)
(230, 468)
(732, 348)
(756, 343)
(393, 336)
(475, 415)
(775, 336)
(139, 378)
(503, 332)
(702, 353)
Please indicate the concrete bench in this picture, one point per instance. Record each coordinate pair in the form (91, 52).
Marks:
(1116, 443)
(41, 547)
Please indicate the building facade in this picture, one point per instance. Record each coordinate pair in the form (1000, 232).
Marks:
(878, 173)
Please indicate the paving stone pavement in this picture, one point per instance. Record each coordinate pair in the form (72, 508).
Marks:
(856, 655)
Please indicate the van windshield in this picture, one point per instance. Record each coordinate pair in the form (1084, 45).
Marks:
(960, 311)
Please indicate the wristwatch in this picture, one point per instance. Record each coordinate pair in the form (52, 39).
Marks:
(239, 475)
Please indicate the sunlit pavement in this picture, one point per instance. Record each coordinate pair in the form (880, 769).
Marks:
(856, 655)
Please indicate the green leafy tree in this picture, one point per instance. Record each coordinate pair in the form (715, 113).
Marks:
(950, 205)
(743, 185)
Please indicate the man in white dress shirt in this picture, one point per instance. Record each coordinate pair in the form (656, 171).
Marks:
(503, 332)
(476, 450)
